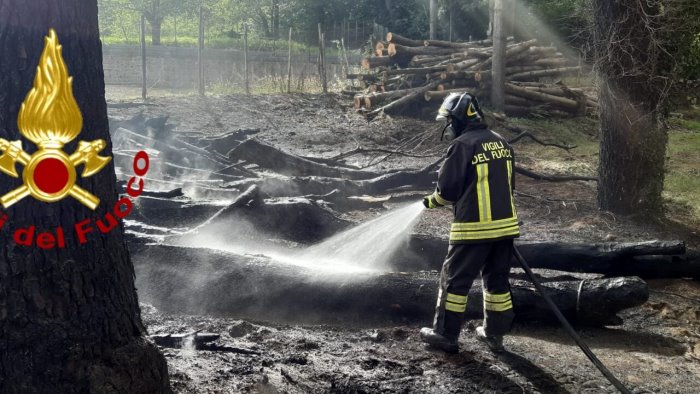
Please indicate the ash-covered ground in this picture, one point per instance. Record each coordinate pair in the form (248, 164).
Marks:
(657, 349)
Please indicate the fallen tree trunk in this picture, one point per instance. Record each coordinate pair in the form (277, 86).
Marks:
(553, 178)
(650, 259)
(206, 281)
(178, 151)
(271, 158)
(421, 179)
(222, 144)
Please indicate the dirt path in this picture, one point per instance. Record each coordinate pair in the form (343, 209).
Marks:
(656, 350)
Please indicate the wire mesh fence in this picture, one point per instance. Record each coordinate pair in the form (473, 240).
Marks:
(274, 64)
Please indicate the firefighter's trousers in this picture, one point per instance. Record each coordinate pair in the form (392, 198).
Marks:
(462, 265)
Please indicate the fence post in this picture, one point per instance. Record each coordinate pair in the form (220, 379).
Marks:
(355, 33)
(200, 53)
(322, 59)
(245, 58)
(289, 64)
(143, 57)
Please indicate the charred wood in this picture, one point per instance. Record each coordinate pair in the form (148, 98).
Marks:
(244, 286)
(271, 158)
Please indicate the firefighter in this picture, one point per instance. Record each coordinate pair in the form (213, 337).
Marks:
(477, 180)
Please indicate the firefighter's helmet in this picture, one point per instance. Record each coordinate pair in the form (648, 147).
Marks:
(461, 109)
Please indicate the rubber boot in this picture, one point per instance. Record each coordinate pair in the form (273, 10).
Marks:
(439, 341)
(494, 343)
(445, 339)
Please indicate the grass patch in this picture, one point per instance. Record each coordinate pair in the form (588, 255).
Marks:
(581, 132)
(682, 183)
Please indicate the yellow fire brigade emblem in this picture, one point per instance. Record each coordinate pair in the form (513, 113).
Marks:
(50, 118)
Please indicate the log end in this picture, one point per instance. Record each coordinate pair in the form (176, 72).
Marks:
(357, 101)
(392, 49)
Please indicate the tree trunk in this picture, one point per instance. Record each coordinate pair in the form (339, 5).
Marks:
(632, 151)
(433, 19)
(632, 141)
(155, 31)
(498, 64)
(69, 317)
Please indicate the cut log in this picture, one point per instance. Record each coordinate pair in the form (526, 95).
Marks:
(517, 101)
(412, 71)
(379, 47)
(465, 64)
(424, 61)
(401, 50)
(441, 94)
(375, 61)
(552, 62)
(516, 49)
(375, 99)
(473, 75)
(402, 102)
(568, 104)
(449, 44)
(397, 39)
(271, 158)
(544, 73)
(521, 69)
(518, 110)
(254, 287)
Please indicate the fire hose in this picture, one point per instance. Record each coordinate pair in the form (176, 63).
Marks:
(570, 330)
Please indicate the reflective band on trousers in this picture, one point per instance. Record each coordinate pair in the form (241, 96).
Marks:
(497, 302)
(456, 303)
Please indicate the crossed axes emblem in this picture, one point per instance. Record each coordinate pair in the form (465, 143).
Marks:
(50, 118)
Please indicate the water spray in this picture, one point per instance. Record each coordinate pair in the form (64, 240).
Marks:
(369, 245)
(570, 330)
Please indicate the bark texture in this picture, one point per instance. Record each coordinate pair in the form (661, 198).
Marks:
(69, 318)
(633, 143)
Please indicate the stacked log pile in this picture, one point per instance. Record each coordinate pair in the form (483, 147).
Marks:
(403, 70)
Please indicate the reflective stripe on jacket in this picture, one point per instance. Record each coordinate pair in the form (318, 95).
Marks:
(477, 178)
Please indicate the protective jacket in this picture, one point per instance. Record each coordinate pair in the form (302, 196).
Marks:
(477, 179)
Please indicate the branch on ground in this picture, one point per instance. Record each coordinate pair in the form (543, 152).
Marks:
(523, 133)
(553, 178)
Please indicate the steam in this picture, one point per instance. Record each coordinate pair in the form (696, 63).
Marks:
(367, 247)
